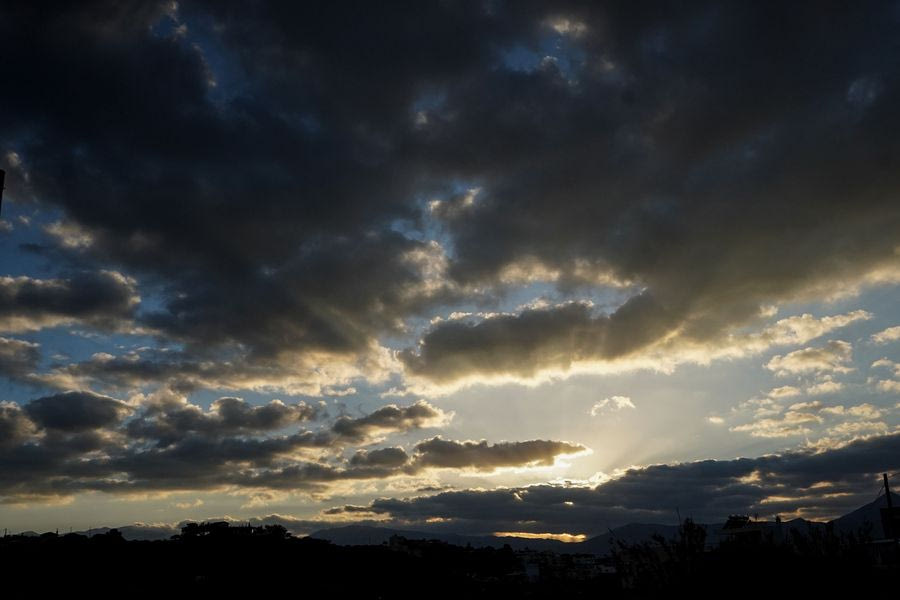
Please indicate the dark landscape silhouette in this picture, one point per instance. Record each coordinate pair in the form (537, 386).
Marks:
(856, 553)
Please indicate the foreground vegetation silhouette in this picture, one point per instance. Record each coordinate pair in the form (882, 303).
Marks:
(220, 560)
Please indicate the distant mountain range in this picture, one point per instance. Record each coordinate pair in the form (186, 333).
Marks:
(354, 535)
(865, 517)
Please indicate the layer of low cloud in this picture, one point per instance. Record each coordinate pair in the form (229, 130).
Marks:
(57, 446)
(809, 483)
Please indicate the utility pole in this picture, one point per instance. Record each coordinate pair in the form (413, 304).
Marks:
(889, 521)
(2, 179)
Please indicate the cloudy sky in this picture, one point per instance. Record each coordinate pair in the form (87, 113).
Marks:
(477, 266)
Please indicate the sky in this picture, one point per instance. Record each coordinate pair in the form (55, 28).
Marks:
(541, 268)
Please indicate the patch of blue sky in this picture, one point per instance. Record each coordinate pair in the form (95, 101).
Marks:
(429, 100)
(559, 48)
(19, 392)
(429, 227)
(227, 80)
(23, 228)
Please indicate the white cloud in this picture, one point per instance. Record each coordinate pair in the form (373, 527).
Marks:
(832, 357)
(800, 329)
(611, 404)
(826, 386)
(785, 391)
(889, 385)
(890, 334)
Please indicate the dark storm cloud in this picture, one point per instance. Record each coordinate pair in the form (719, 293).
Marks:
(76, 411)
(273, 200)
(686, 158)
(818, 484)
(102, 299)
(267, 170)
(482, 456)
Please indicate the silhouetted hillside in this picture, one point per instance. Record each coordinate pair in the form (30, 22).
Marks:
(866, 518)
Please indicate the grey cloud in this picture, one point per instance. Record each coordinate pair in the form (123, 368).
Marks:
(15, 426)
(62, 445)
(383, 457)
(819, 484)
(101, 299)
(237, 414)
(536, 339)
(172, 418)
(76, 411)
(482, 456)
(388, 419)
(18, 358)
(68, 443)
(347, 508)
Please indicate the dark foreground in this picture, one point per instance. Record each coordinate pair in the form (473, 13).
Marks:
(211, 561)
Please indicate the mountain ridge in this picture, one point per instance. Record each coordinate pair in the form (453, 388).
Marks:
(865, 519)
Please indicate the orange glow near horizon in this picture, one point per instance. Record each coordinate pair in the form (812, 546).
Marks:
(568, 538)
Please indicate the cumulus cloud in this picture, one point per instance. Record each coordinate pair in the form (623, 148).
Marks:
(888, 385)
(388, 419)
(535, 339)
(15, 426)
(611, 404)
(833, 357)
(826, 386)
(102, 299)
(793, 422)
(169, 417)
(888, 335)
(18, 358)
(571, 336)
(824, 424)
(383, 457)
(803, 328)
(785, 391)
(482, 456)
(60, 445)
(76, 411)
